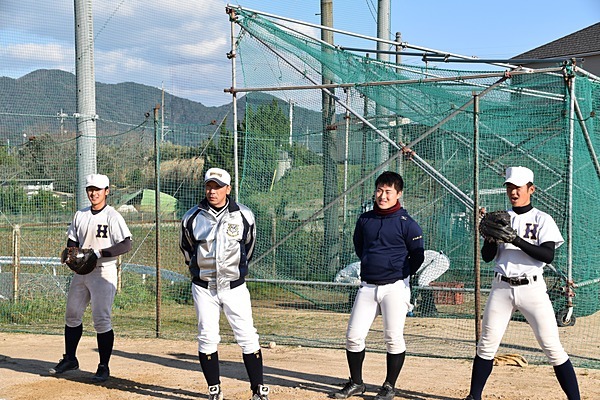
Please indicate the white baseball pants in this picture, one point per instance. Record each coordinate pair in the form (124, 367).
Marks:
(98, 288)
(535, 305)
(392, 302)
(237, 308)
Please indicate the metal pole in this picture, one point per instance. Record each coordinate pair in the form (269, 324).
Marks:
(388, 41)
(346, 139)
(363, 156)
(86, 97)
(586, 73)
(330, 154)
(383, 32)
(291, 117)
(16, 261)
(232, 56)
(157, 214)
(162, 114)
(462, 79)
(399, 139)
(571, 83)
(476, 244)
(588, 140)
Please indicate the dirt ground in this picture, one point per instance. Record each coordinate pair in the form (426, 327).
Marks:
(165, 369)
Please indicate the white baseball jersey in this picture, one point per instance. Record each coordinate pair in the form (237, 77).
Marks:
(534, 226)
(99, 231)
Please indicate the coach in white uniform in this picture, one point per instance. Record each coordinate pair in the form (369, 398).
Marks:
(217, 241)
(99, 227)
(519, 285)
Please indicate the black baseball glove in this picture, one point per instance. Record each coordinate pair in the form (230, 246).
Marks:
(81, 261)
(495, 227)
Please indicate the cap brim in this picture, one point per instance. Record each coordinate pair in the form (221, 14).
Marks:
(220, 183)
(516, 183)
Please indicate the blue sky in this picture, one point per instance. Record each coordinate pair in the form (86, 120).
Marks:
(182, 44)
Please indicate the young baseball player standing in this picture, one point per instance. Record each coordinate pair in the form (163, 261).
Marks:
(101, 228)
(217, 240)
(519, 285)
(389, 244)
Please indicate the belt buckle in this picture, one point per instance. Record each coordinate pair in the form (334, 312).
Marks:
(212, 284)
(518, 281)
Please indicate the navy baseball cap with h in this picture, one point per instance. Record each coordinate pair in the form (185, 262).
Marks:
(518, 176)
(97, 180)
(218, 175)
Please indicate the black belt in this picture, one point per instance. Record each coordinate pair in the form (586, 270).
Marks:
(380, 283)
(516, 281)
(206, 285)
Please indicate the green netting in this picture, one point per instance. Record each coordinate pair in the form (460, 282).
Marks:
(524, 118)
(307, 162)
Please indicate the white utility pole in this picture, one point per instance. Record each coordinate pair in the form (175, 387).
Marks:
(162, 114)
(291, 116)
(86, 97)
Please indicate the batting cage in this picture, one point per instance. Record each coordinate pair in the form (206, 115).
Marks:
(311, 127)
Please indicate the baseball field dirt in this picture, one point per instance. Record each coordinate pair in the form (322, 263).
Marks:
(166, 369)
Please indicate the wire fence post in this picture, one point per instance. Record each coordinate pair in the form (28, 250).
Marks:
(16, 261)
(476, 260)
(157, 215)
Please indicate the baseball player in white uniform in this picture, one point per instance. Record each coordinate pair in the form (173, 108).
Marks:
(101, 228)
(217, 241)
(519, 285)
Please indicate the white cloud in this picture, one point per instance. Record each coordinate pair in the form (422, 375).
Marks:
(210, 48)
(184, 42)
(52, 53)
(119, 64)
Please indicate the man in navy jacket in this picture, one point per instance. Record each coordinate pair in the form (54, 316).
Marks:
(389, 244)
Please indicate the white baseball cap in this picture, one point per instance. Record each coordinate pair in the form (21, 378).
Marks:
(97, 180)
(518, 176)
(218, 175)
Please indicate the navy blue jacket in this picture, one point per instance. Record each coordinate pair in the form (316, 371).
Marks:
(390, 247)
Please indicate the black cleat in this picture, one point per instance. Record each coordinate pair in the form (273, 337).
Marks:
(64, 365)
(102, 374)
(386, 392)
(349, 389)
(214, 392)
(262, 393)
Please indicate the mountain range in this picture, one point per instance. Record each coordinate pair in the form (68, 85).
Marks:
(33, 104)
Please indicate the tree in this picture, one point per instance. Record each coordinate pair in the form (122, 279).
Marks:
(45, 203)
(42, 157)
(264, 133)
(13, 199)
(269, 122)
(220, 153)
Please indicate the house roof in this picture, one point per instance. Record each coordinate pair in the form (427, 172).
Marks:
(145, 200)
(581, 43)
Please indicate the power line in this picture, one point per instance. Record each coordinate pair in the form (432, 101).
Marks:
(108, 19)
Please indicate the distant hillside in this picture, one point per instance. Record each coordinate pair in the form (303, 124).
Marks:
(30, 105)
(48, 92)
